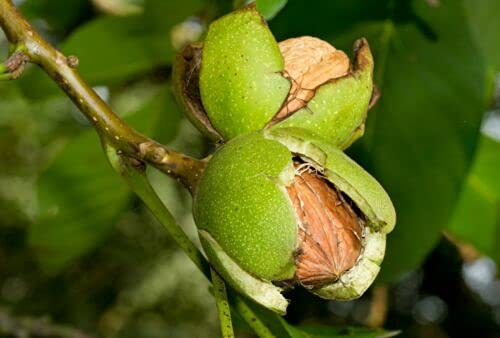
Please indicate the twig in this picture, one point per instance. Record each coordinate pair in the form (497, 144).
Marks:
(35, 327)
(466, 250)
(251, 319)
(112, 130)
(378, 308)
(224, 312)
(134, 174)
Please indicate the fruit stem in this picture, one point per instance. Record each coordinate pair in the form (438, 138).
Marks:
(32, 47)
(223, 309)
(134, 174)
(251, 319)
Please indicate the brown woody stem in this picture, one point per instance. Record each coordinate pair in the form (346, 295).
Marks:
(30, 46)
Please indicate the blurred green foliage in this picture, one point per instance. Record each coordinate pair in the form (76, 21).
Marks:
(76, 245)
(476, 219)
(94, 195)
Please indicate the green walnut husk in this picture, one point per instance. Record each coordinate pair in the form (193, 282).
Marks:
(251, 229)
(236, 82)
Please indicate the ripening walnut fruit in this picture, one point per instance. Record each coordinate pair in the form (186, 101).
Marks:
(241, 80)
(279, 208)
(309, 63)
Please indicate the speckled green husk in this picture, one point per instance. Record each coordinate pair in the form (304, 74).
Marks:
(248, 225)
(240, 202)
(241, 84)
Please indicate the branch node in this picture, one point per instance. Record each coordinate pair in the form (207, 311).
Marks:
(151, 150)
(14, 65)
(139, 165)
(72, 61)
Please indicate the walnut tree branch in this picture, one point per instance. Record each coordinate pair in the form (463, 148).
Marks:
(32, 47)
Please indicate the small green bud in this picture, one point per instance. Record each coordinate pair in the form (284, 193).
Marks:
(241, 80)
(282, 208)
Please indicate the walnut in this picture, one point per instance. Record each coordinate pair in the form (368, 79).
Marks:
(330, 232)
(309, 62)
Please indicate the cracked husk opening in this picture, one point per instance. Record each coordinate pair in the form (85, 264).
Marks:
(329, 232)
(309, 63)
(186, 82)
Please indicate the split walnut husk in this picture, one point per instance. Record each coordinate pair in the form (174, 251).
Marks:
(329, 231)
(241, 80)
(281, 209)
(309, 63)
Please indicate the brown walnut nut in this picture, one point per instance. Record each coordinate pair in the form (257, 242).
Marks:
(329, 232)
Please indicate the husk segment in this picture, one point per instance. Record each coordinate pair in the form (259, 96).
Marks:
(241, 81)
(260, 291)
(337, 111)
(186, 77)
(354, 282)
(240, 201)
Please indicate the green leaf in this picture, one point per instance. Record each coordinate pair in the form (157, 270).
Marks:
(485, 25)
(421, 135)
(112, 49)
(331, 332)
(120, 7)
(81, 197)
(270, 8)
(280, 328)
(476, 219)
(267, 8)
(60, 15)
(116, 49)
(304, 18)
